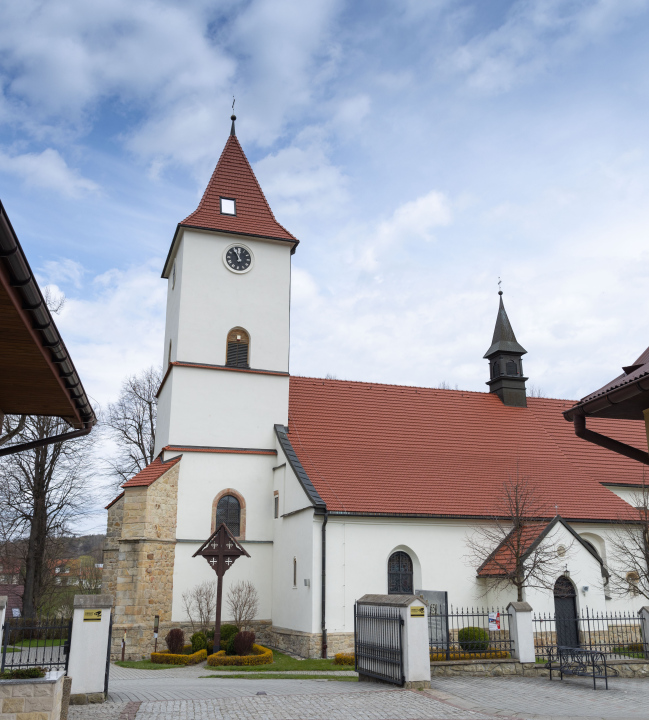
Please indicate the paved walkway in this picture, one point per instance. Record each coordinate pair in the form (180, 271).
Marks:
(542, 699)
(181, 694)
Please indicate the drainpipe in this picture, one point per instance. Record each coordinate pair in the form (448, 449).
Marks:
(323, 601)
(582, 431)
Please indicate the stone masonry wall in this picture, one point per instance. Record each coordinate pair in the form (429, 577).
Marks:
(495, 668)
(31, 699)
(111, 547)
(309, 645)
(142, 571)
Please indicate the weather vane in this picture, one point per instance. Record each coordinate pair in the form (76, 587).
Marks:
(233, 101)
(500, 292)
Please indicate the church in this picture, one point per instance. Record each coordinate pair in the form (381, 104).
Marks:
(334, 488)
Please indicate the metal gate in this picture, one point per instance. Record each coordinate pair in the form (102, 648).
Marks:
(36, 643)
(378, 642)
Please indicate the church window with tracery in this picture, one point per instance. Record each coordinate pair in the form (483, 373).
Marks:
(400, 574)
(238, 350)
(228, 511)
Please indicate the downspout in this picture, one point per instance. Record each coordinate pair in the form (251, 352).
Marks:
(607, 442)
(323, 602)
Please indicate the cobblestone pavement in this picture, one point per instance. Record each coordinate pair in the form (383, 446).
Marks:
(195, 671)
(368, 705)
(542, 699)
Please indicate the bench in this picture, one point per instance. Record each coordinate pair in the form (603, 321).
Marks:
(578, 661)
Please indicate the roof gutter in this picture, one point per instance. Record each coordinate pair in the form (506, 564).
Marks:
(23, 284)
(579, 422)
(20, 447)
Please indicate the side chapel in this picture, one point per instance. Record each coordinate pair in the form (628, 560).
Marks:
(335, 488)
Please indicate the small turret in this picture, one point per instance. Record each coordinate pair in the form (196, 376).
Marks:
(506, 363)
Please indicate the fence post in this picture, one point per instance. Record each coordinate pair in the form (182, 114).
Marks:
(3, 609)
(644, 629)
(90, 629)
(416, 646)
(521, 631)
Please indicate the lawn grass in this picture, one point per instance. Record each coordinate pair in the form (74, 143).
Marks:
(38, 643)
(284, 663)
(145, 665)
(281, 676)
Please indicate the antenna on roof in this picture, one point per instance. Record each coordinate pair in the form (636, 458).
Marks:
(500, 292)
(233, 117)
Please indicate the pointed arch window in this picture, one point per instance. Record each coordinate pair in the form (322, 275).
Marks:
(400, 580)
(238, 350)
(228, 511)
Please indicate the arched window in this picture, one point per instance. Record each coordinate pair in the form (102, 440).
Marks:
(495, 369)
(400, 574)
(228, 511)
(510, 368)
(237, 354)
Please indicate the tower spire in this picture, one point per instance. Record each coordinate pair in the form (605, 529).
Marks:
(505, 361)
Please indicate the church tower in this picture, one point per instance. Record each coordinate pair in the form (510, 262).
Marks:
(505, 362)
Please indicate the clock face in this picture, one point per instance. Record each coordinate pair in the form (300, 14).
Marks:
(238, 258)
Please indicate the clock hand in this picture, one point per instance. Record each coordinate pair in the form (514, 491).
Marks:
(238, 252)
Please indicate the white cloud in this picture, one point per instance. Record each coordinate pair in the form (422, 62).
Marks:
(115, 327)
(47, 170)
(61, 272)
(534, 36)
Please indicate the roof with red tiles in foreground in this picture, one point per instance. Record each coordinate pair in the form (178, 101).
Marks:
(233, 178)
(389, 449)
(151, 473)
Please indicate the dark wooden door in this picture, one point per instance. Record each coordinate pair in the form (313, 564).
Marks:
(565, 613)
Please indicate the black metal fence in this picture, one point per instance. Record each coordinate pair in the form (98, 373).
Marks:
(378, 642)
(618, 635)
(469, 634)
(36, 643)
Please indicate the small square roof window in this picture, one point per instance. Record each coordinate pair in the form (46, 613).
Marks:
(228, 206)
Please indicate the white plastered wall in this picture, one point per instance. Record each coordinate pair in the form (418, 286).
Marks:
(202, 477)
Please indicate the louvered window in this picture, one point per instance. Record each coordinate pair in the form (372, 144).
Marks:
(228, 511)
(511, 368)
(238, 348)
(400, 574)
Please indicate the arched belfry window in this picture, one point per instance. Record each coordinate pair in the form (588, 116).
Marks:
(228, 511)
(400, 574)
(238, 351)
(511, 368)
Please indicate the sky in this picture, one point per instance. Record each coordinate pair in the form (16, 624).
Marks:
(420, 151)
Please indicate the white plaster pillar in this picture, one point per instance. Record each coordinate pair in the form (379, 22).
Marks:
(644, 625)
(521, 631)
(89, 643)
(3, 610)
(416, 649)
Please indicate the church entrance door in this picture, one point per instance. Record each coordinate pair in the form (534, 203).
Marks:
(565, 613)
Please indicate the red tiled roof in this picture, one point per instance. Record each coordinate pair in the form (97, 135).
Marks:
(14, 595)
(371, 448)
(114, 500)
(234, 178)
(151, 472)
(503, 560)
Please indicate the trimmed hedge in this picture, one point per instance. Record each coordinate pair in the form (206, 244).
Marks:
(344, 659)
(23, 673)
(171, 659)
(473, 639)
(261, 656)
(493, 655)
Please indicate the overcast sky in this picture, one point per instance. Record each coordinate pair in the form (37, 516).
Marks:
(419, 150)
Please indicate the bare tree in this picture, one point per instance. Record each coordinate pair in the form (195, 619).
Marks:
(629, 549)
(512, 550)
(200, 605)
(536, 391)
(42, 492)
(243, 602)
(132, 421)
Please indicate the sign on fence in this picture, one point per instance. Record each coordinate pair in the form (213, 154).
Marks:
(92, 615)
(494, 621)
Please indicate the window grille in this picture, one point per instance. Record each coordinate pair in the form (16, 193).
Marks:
(400, 574)
(228, 511)
(238, 347)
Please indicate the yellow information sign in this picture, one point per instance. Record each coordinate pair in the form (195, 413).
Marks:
(417, 611)
(91, 615)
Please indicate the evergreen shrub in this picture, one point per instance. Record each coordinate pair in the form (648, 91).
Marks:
(243, 642)
(175, 640)
(473, 639)
(228, 631)
(344, 659)
(260, 656)
(198, 641)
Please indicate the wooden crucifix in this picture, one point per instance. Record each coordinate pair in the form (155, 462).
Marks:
(220, 550)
